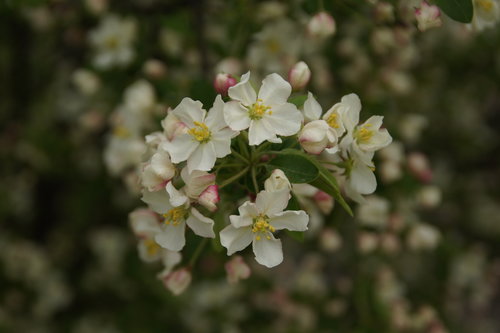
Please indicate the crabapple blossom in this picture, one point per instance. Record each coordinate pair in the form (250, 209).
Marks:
(177, 281)
(428, 16)
(321, 25)
(223, 82)
(157, 172)
(299, 75)
(236, 270)
(486, 14)
(277, 182)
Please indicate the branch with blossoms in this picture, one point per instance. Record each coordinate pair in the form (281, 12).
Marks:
(262, 155)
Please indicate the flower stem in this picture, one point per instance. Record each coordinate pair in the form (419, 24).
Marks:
(197, 252)
(233, 178)
(254, 180)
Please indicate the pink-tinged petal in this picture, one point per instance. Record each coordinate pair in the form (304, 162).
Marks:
(144, 222)
(180, 148)
(177, 281)
(236, 269)
(270, 203)
(196, 182)
(157, 201)
(203, 158)
(235, 239)
(172, 237)
(201, 225)
(209, 198)
(236, 116)
(243, 91)
(268, 250)
(294, 220)
(189, 111)
(274, 90)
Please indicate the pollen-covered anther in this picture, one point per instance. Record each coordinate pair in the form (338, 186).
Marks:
(200, 132)
(258, 110)
(151, 247)
(364, 134)
(332, 121)
(175, 216)
(261, 225)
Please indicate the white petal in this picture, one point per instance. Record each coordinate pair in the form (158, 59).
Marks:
(181, 147)
(294, 220)
(189, 111)
(247, 212)
(201, 225)
(259, 132)
(157, 201)
(285, 120)
(172, 237)
(203, 158)
(144, 222)
(270, 203)
(312, 109)
(170, 259)
(362, 179)
(160, 162)
(235, 239)
(268, 252)
(177, 198)
(274, 90)
(350, 114)
(243, 91)
(215, 118)
(236, 116)
(146, 254)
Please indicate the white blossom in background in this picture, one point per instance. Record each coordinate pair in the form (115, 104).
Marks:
(486, 14)
(207, 136)
(321, 25)
(87, 82)
(177, 281)
(266, 114)
(113, 41)
(236, 270)
(374, 212)
(256, 224)
(423, 236)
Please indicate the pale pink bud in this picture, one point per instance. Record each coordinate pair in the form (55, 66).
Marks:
(236, 269)
(324, 202)
(313, 137)
(223, 82)
(210, 197)
(321, 25)
(418, 165)
(367, 242)
(330, 240)
(177, 281)
(384, 12)
(172, 126)
(428, 16)
(277, 181)
(154, 69)
(299, 75)
(429, 196)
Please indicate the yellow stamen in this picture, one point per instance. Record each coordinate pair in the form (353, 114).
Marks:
(273, 46)
(112, 42)
(175, 216)
(363, 135)
(332, 120)
(200, 132)
(257, 110)
(121, 132)
(151, 247)
(486, 5)
(261, 225)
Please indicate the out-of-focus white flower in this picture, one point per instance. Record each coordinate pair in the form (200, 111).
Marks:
(367, 241)
(112, 41)
(172, 235)
(423, 236)
(256, 224)
(299, 75)
(223, 82)
(429, 196)
(207, 137)
(210, 197)
(374, 212)
(324, 202)
(428, 16)
(330, 240)
(277, 181)
(411, 127)
(86, 81)
(96, 6)
(122, 153)
(177, 281)
(267, 114)
(321, 25)
(486, 14)
(393, 152)
(171, 42)
(229, 65)
(384, 12)
(154, 69)
(237, 269)
(158, 171)
(140, 96)
(418, 164)
(390, 171)
(271, 10)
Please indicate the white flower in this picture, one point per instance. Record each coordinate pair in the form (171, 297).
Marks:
(207, 137)
(361, 179)
(121, 153)
(236, 269)
(113, 42)
(486, 14)
(267, 114)
(177, 281)
(176, 216)
(277, 182)
(374, 212)
(157, 172)
(423, 236)
(321, 25)
(428, 16)
(256, 224)
(87, 82)
(140, 96)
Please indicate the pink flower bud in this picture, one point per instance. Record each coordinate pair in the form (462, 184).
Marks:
(330, 240)
(223, 82)
(428, 16)
(237, 269)
(177, 281)
(321, 25)
(299, 75)
(154, 69)
(313, 137)
(419, 167)
(324, 202)
(210, 197)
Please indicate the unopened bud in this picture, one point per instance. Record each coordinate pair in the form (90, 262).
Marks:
(321, 25)
(330, 240)
(210, 197)
(236, 270)
(418, 164)
(299, 75)
(223, 82)
(177, 281)
(324, 202)
(429, 196)
(313, 137)
(154, 69)
(277, 181)
(428, 16)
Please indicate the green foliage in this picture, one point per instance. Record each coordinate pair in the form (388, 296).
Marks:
(298, 101)
(458, 10)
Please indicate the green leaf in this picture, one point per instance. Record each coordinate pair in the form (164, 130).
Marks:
(293, 203)
(297, 235)
(298, 100)
(325, 180)
(458, 10)
(297, 168)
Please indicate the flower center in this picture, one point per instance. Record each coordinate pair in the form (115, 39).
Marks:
(363, 135)
(112, 42)
(121, 132)
(200, 132)
(486, 5)
(175, 216)
(332, 120)
(151, 247)
(261, 224)
(273, 46)
(257, 110)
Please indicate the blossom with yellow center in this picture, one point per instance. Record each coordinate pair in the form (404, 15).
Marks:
(257, 110)
(121, 132)
(152, 248)
(200, 132)
(486, 5)
(333, 121)
(261, 224)
(363, 134)
(175, 216)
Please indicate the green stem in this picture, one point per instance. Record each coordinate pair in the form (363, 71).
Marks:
(233, 178)
(238, 155)
(197, 252)
(254, 180)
